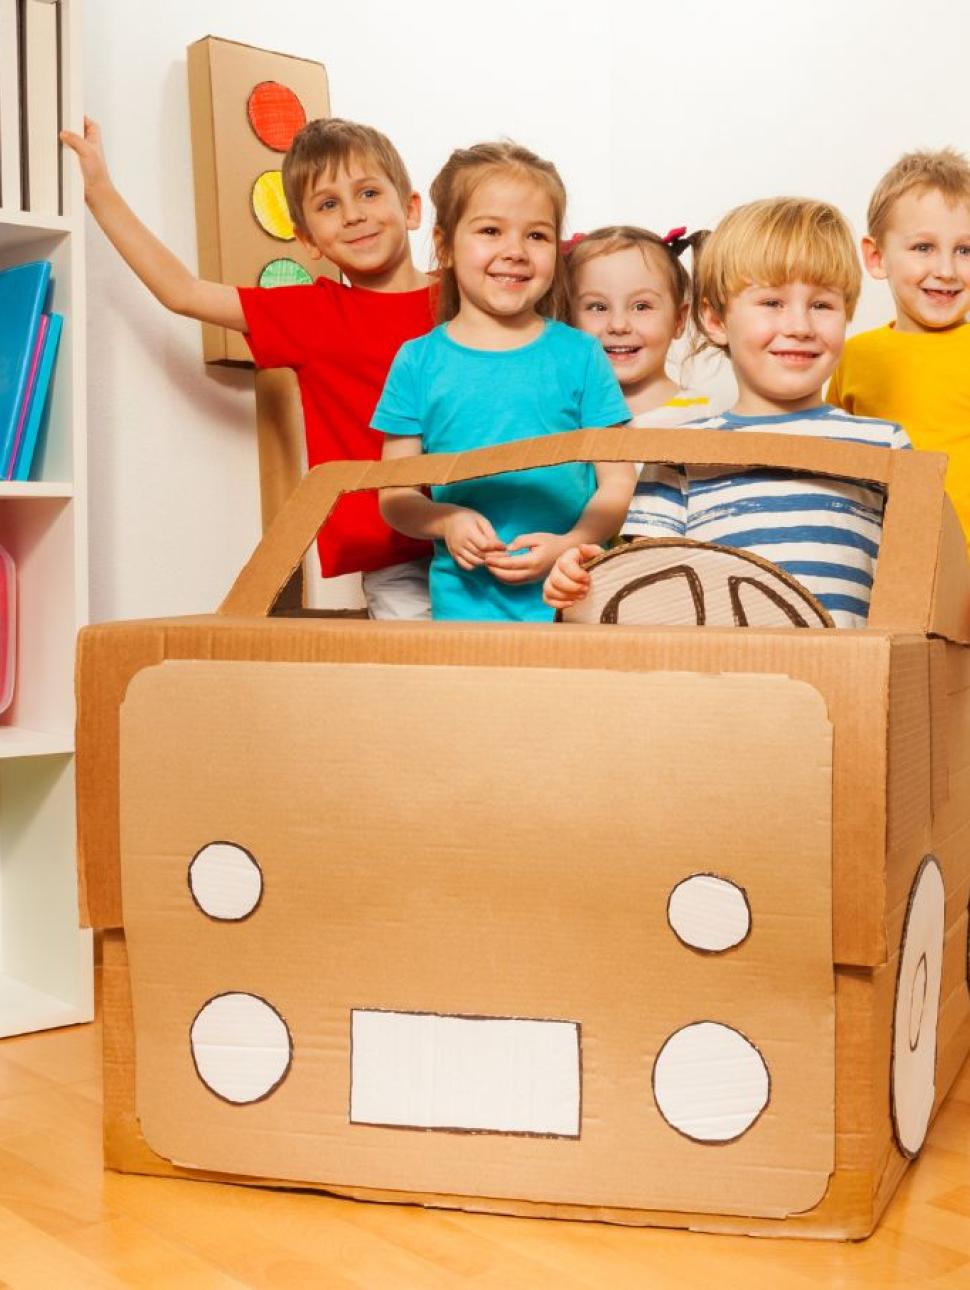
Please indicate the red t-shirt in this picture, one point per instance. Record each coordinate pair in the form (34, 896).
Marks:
(341, 341)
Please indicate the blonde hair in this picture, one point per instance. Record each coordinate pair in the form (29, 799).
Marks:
(624, 237)
(451, 190)
(329, 144)
(946, 172)
(776, 241)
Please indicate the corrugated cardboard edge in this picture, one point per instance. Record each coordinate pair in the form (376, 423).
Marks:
(907, 590)
(910, 544)
(928, 745)
(939, 752)
(951, 590)
(199, 68)
(279, 434)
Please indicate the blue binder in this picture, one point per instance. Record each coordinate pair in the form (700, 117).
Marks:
(23, 293)
(39, 402)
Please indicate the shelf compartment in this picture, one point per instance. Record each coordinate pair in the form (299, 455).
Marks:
(39, 488)
(54, 458)
(40, 537)
(24, 1009)
(15, 741)
(30, 237)
(45, 956)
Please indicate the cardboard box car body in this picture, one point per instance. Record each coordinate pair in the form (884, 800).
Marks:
(653, 925)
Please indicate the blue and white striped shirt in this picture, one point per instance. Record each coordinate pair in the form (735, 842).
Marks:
(824, 532)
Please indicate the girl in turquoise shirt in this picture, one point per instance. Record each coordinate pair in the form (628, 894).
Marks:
(499, 368)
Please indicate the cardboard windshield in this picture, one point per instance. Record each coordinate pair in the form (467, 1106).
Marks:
(922, 580)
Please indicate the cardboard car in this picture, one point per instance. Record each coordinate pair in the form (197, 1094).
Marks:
(641, 923)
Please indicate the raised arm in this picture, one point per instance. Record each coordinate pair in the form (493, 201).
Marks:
(163, 273)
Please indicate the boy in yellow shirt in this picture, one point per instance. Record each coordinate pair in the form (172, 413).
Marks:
(916, 371)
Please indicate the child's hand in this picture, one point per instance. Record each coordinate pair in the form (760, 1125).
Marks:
(90, 153)
(569, 581)
(542, 550)
(469, 538)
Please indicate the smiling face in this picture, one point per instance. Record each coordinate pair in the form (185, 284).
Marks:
(924, 254)
(784, 343)
(503, 254)
(625, 299)
(355, 217)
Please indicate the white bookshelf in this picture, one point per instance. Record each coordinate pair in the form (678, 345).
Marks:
(45, 956)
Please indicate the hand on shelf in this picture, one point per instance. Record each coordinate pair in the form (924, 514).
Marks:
(90, 154)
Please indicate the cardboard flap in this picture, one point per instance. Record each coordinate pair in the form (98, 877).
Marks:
(950, 609)
(939, 709)
(923, 578)
(379, 948)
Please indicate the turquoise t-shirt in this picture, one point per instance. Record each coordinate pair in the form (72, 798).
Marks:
(456, 398)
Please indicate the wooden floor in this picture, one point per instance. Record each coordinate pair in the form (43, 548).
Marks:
(66, 1225)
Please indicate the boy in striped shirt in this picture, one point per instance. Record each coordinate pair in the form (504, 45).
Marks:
(775, 285)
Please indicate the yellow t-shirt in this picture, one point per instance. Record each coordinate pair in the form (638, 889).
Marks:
(921, 380)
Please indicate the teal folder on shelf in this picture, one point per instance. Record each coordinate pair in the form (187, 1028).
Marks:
(23, 456)
(23, 294)
(6, 465)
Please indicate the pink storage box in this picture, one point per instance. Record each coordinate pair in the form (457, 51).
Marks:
(8, 628)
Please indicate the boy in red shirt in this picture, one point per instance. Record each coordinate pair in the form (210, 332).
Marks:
(351, 201)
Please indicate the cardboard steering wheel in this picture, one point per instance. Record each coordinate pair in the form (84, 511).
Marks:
(674, 582)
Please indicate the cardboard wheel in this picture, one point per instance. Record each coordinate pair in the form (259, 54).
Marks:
(709, 913)
(241, 1047)
(710, 1082)
(917, 1009)
(225, 881)
(673, 582)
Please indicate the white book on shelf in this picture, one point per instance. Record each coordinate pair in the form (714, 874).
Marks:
(9, 106)
(41, 101)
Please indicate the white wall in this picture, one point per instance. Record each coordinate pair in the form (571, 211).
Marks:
(657, 113)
